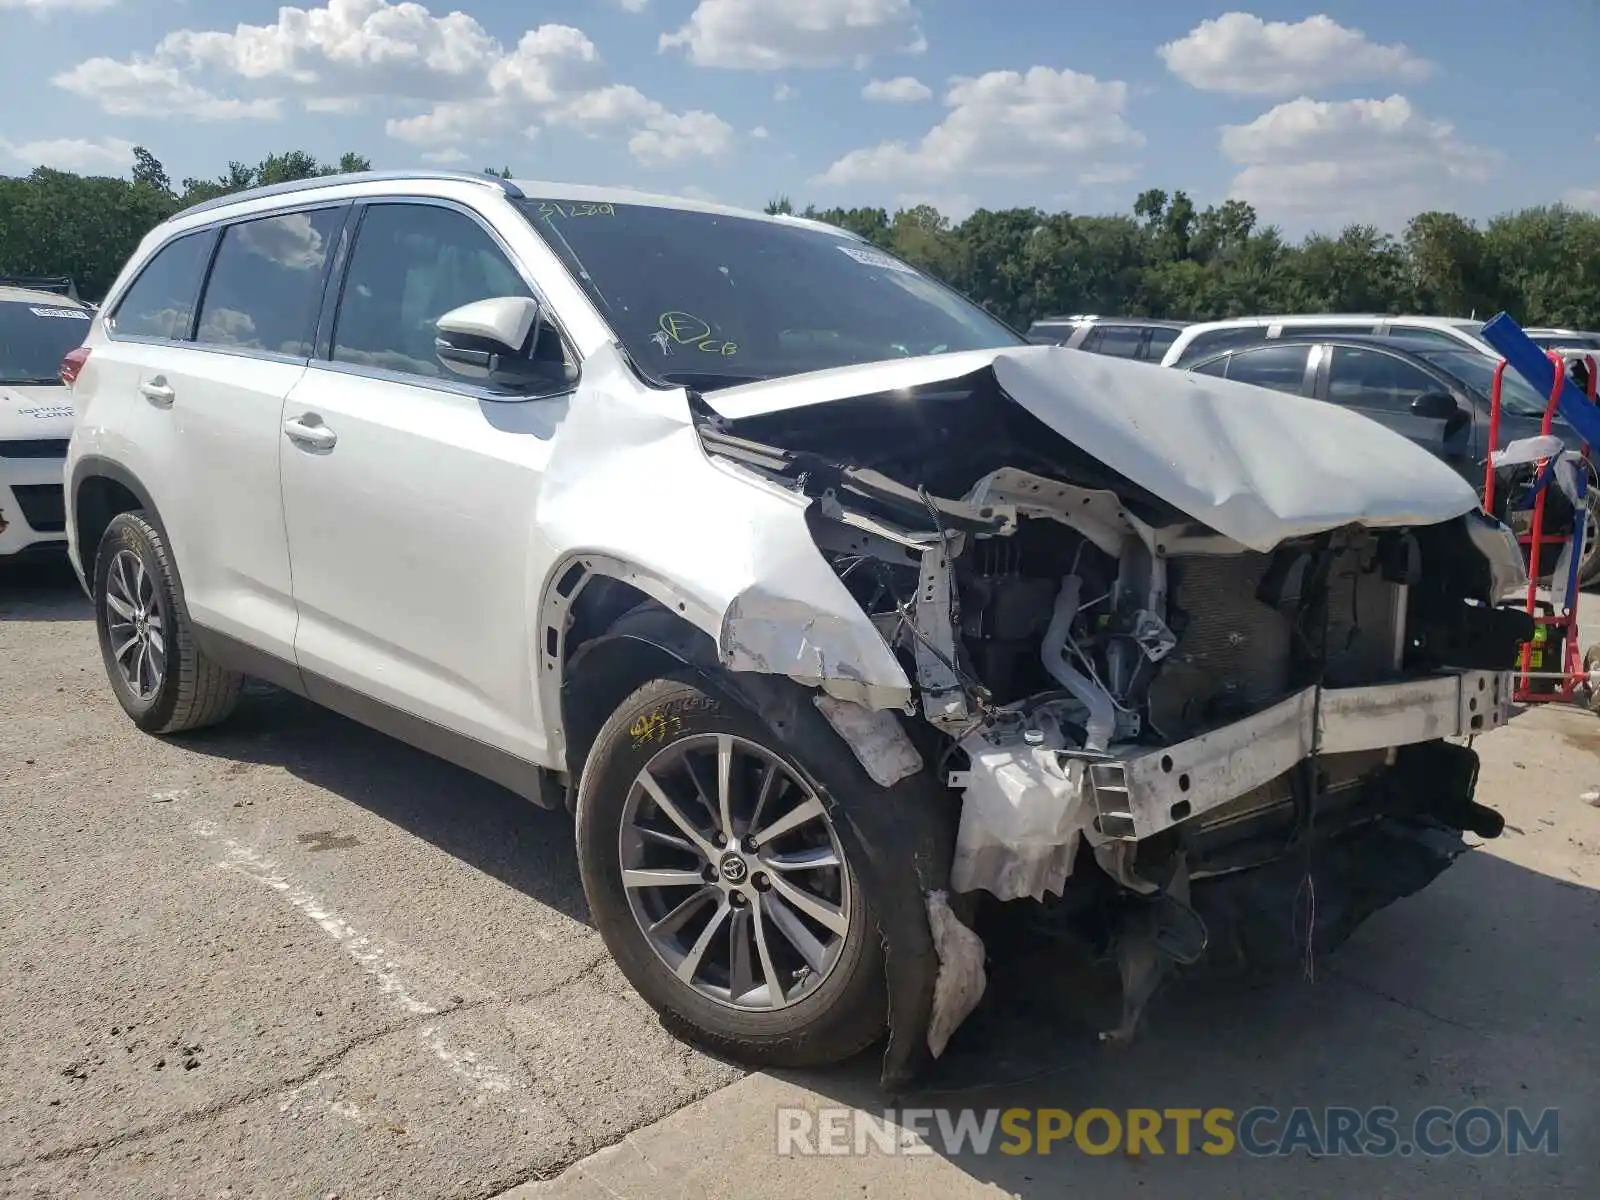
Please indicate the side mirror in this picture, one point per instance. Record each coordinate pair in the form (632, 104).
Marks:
(498, 341)
(1435, 406)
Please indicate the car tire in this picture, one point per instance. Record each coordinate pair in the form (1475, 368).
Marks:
(1589, 563)
(827, 1012)
(161, 678)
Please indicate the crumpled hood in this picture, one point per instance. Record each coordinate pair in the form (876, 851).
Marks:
(34, 412)
(1256, 465)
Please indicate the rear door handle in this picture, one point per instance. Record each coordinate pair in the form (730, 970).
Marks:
(308, 430)
(157, 392)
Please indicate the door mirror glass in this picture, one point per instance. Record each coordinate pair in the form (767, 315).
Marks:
(505, 341)
(1434, 406)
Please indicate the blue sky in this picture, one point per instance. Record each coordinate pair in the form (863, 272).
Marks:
(1319, 115)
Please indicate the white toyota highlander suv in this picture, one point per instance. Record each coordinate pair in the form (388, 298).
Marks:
(845, 621)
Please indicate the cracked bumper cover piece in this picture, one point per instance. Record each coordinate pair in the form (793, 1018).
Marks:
(1026, 807)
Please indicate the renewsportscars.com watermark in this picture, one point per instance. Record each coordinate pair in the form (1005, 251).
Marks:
(1259, 1132)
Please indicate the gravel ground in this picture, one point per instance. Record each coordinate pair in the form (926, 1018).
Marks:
(291, 957)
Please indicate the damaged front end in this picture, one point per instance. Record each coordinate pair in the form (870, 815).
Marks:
(1175, 642)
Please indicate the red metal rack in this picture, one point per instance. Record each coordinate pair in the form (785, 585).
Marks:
(1534, 683)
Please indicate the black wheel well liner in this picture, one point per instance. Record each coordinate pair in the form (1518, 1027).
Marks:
(900, 838)
(102, 489)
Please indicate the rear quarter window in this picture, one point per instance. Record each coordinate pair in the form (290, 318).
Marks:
(1160, 342)
(160, 304)
(1203, 345)
(1049, 335)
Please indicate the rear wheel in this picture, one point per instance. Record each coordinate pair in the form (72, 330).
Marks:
(719, 882)
(159, 675)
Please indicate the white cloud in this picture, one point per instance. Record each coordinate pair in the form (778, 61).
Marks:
(784, 93)
(451, 81)
(1351, 160)
(1105, 174)
(660, 136)
(71, 154)
(1583, 197)
(145, 88)
(760, 132)
(49, 6)
(1242, 54)
(446, 157)
(903, 89)
(1004, 124)
(760, 35)
(633, 6)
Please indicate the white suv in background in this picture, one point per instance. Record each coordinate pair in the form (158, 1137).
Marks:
(37, 332)
(1210, 336)
(825, 601)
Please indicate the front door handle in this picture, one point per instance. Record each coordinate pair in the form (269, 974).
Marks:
(308, 431)
(157, 392)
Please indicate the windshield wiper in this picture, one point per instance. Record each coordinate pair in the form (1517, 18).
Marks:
(29, 380)
(706, 381)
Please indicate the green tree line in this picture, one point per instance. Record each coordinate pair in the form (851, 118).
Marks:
(1164, 258)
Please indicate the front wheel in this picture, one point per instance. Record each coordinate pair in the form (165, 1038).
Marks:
(718, 880)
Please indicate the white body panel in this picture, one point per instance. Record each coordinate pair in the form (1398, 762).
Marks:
(1257, 465)
(29, 414)
(415, 548)
(222, 450)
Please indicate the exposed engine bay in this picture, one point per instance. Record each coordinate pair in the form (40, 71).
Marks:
(1124, 696)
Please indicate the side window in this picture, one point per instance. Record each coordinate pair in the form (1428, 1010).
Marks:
(1212, 340)
(1160, 342)
(1282, 368)
(1435, 337)
(1120, 341)
(412, 263)
(161, 301)
(1372, 379)
(266, 282)
(1217, 367)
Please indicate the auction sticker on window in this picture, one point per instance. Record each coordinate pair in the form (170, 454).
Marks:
(871, 258)
(71, 314)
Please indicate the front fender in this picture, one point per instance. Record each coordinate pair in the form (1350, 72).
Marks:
(630, 492)
(900, 839)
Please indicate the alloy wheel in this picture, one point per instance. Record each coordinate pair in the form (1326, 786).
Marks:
(734, 872)
(135, 625)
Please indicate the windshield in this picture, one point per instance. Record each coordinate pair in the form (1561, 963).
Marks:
(35, 336)
(713, 300)
(1477, 372)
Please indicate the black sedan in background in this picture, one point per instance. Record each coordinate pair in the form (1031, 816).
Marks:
(1436, 395)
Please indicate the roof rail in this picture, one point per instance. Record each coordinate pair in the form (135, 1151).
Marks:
(321, 181)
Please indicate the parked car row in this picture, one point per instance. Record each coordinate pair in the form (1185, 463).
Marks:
(1427, 378)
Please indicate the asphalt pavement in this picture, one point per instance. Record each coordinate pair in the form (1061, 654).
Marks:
(290, 957)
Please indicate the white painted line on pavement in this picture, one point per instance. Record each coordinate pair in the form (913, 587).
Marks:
(466, 1065)
(372, 957)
